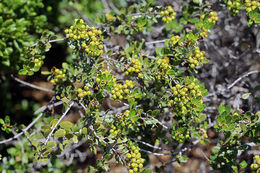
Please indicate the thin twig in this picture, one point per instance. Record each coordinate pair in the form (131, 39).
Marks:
(155, 42)
(147, 144)
(112, 148)
(23, 131)
(31, 85)
(52, 41)
(156, 154)
(107, 9)
(64, 114)
(159, 122)
(113, 7)
(241, 77)
(41, 109)
(204, 155)
(107, 59)
(233, 83)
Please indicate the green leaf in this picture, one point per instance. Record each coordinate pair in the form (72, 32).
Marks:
(45, 129)
(43, 160)
(243, 164)
(183, 159)
(75, 139)
(202, 117)
(60, 133)
(91, 169)
(45, 72)
(53, 122)
(221, 109)
(147, 171)
(215, 149)
(66, 125)
(51, 144)
(246, 95)
(84, 130)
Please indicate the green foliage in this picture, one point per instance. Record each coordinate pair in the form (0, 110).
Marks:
(151, 86)
(5, 124)
(234, 126)
(20, 23)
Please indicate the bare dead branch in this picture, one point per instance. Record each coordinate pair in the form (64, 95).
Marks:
(31, 85)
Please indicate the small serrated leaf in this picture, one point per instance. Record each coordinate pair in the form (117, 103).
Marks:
(60, 133)
(51, 144)
(66, 125)
(75, 139)
(53, 122)
(245, 96)
(243, 164)
(215, 149)
(84, 130)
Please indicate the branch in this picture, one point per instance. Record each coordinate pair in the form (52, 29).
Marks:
(241, 77)
(52, 41)
(159, 122)
(147, 144)
(234, 83)
(31, 85)
(64, 114)
(113, 7)
(156, 154)
(112, 148)
(41, 109)
(107, 9)
(155, 42)
(23, 131)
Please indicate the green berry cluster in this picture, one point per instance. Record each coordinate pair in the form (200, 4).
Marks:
(120, 91)
(90, 38)
(164, 63)
(168, 14)
(251, 5)
(174, 40)
(234, 6)
(197, 59)
(183, 95)
(58, 75)
(38, 62)
(213, 17)
(135, 160)
(204, 33)
(135, 66)
(114, 131)
(126, 115)
(255, 167)
(203, 134)
(83, 92)
(180, 137)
